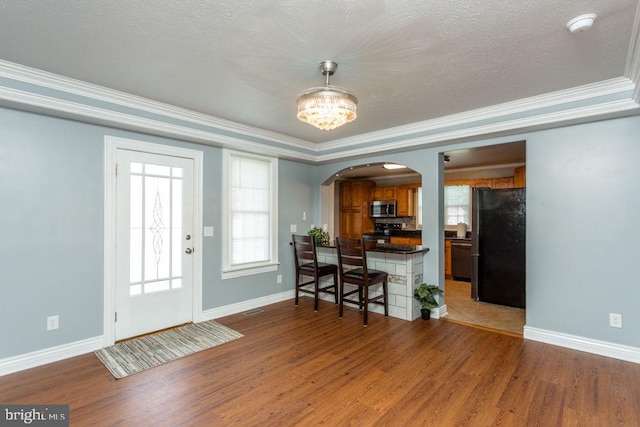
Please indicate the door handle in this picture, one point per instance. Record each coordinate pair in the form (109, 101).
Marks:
(188, 251)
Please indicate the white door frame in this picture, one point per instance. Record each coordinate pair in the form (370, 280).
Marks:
(111, 145)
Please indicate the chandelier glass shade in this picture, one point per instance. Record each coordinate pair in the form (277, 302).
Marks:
(327, 107)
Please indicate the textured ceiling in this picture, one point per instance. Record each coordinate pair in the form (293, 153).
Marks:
(246, 61)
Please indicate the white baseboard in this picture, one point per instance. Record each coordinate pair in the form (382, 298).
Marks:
(240, 307)
(602, 348)
(49, 355)
(439, 312)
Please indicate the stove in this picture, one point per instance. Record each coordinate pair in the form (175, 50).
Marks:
(386, 229)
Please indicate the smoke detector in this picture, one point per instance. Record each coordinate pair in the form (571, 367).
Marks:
(581, 23)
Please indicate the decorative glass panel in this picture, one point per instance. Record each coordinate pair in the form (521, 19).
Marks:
(150, 169)
(156, 286)
(156, 231)
(135, 255)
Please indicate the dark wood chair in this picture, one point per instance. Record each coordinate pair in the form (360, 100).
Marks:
(306, 258)
(352, 253)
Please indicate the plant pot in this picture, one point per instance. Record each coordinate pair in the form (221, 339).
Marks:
(426, 313)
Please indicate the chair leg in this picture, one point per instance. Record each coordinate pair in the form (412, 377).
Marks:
(341, 297)
(316, 286)
(335, 286)
(297, 287)
(386, 297)
(366, 304)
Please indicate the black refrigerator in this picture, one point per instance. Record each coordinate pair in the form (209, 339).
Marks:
(498, 246)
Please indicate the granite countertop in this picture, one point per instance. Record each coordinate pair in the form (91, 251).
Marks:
(387, 248)
(394, 249)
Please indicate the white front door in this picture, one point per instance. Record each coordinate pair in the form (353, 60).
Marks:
(154, 242)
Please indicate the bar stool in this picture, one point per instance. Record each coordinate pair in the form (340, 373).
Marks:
(306, 258)
(352, 253)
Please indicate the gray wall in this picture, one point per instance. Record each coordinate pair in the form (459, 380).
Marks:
(583, 195)
(52, 228)
(583, 191)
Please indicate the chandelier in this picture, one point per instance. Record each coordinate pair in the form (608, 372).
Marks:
(327, 107)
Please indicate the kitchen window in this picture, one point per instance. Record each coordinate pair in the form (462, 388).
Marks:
(457, 204)
(249, 214)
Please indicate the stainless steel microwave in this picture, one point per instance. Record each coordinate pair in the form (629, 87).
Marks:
(383, 209)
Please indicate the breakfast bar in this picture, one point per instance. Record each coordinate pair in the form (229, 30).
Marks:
(404, 263)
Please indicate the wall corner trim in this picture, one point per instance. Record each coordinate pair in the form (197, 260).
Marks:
(49, 355)
(602, 348)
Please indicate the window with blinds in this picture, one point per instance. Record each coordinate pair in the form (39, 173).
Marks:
(457, 204)
(250, 207)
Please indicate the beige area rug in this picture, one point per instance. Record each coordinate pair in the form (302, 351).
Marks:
(130, 357)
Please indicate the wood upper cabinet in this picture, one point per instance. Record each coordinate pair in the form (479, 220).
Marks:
(354, 208)
(519, 177)
(505, 182)
(383, 193)
(404, 196)
(355, 194)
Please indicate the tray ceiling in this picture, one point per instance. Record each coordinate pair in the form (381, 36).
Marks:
(246, 61)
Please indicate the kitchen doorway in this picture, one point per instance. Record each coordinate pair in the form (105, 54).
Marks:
(498, 167)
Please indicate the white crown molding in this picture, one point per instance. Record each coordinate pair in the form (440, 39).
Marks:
(495, 112)
(565, 116)
(404, 137)
(632, 69)
(98, 115)
(48, 80)
(49, 355)
(602, 348)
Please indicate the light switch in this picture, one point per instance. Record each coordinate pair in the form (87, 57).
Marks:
(208, 231)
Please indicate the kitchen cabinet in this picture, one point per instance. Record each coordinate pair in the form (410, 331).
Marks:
(519, 177)
(354, 208)
(447, 258)
(501, 182)
(399, 240)
(383, 193)
(404, 196)
(504, 182)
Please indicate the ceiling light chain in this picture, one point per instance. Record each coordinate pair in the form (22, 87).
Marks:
(327, 107)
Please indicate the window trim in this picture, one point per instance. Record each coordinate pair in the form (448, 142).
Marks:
(450, 227)
(228, 270)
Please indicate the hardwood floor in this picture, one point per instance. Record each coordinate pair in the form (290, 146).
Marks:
(297, 367)
(461, 308)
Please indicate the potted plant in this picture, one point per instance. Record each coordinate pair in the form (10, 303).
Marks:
(425, 294)
(320, 236)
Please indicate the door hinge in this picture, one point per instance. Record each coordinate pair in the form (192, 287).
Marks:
(117, 169)
(116, 317)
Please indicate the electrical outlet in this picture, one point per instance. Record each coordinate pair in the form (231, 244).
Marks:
(279, 278)
(208, 231)
(293, 228)
(52, 322)
(615, 320)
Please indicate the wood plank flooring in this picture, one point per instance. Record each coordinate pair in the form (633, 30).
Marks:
(298, 367)
(461, 308)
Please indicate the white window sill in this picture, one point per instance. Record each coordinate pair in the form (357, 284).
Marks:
(231, 273)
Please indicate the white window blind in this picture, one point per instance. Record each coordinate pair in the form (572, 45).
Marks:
(250, 220)
(457, 204)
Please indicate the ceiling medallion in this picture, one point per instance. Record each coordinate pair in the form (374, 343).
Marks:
(327, 107)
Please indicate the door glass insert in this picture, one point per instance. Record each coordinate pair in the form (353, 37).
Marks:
(156, 228)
